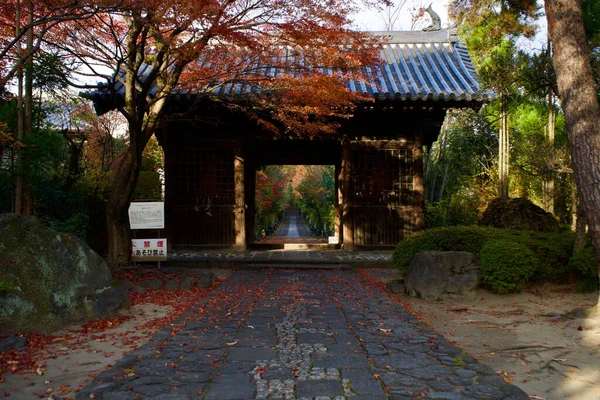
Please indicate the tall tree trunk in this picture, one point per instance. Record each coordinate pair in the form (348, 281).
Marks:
(75, 152)
(503, 153)
(582, 112)
(574, 201)
(548, 181)
(18, 207)
(117, 209)
(580, 231)
(444, 180)
(27, 195)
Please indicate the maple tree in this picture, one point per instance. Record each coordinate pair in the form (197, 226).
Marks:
(271, 184)
(155, 47)
(24, 25)
(18, 17)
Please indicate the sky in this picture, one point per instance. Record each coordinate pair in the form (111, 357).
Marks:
(370, 20)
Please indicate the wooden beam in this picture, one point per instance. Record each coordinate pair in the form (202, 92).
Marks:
(337, 217)
(240, 199)
(418, 185)
(345, 194)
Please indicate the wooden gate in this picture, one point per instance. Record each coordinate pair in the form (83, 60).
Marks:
(382, 196)
(204, 197)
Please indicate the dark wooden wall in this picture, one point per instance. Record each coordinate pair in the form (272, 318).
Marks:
(379, 177)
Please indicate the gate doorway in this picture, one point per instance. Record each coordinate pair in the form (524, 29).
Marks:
(295, 206)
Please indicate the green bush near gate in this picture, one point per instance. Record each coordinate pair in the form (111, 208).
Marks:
(584, 262)
(506, 265)
(551, 251)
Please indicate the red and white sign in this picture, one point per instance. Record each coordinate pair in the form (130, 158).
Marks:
(149, 249)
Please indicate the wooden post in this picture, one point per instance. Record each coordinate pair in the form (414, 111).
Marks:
(345, 194)
(418, 185)
(240, 203)
(250, 194)
(337, 219)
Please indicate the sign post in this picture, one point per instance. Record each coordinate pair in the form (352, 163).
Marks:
(148, 215)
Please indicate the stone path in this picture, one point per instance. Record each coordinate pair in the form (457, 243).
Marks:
(293, 230)
(290, 334)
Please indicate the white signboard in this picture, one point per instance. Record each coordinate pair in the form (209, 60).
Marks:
(334, 240)
(149, 249)
(147, 215)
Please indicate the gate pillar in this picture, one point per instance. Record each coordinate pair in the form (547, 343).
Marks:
(345, 197)
(240, 200)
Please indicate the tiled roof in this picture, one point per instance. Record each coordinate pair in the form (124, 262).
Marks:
(417, 66)
(426, 66)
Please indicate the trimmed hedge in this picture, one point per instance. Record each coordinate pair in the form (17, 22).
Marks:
(506, 265)
(584, 263)
(552, 250)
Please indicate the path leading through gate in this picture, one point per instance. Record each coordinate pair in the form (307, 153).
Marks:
(293, 230)
(298, 334)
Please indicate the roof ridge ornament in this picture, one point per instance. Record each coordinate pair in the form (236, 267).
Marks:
(436, 22)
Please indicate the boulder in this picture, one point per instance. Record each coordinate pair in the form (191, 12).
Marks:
(138, 289)
(171, 285)
(187, 282)
(205, 280)
(151, 284)
(433, 275)
(125, 284)
(521, 214)
(12, 342)
(396, 286)
(50, 279)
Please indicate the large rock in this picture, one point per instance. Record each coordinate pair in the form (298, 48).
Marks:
(433, 275)
(521, 214)
(49, 279)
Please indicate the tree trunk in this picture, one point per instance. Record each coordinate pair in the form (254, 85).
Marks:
(27, 195)
(580, 231)
(582, 113)
(74, 171)
(503, 153)
(19, 185)
(548, 181)
(574, 201)
(117, 209)
(443, 184)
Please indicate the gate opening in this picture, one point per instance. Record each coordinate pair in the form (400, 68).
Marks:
(294, 204)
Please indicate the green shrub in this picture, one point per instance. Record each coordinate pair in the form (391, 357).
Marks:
(584, 264)
(553, 250)
(453, 238)
(458, 210)
(506, 265)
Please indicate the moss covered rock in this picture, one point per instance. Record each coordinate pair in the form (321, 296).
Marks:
(520, 214)
(49, 279)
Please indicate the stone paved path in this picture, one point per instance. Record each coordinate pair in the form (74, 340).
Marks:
(290, 334)
(293, 230)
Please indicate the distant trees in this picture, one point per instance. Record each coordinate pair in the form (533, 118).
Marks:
(310, 188)
(315, 195)
(272, 196)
